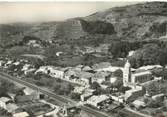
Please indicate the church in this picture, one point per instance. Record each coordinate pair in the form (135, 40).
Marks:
(133, 78)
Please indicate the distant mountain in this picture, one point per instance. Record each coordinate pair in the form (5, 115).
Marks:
(11, 34)
(140, 21)
(133, 22)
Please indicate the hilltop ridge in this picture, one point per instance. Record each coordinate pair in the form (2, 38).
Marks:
(133, 22)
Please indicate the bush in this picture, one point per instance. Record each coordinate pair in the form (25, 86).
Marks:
(75, 96)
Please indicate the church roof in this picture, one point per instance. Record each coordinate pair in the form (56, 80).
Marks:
(142, 73)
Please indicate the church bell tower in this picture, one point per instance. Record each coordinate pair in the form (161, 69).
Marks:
(127, 73)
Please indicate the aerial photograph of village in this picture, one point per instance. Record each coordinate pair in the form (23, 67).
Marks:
(83, 59)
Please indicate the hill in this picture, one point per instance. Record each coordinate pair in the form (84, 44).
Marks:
(140, 21)
(106, 34)
(133, 22)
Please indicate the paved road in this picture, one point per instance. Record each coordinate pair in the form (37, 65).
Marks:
(131, 113)
(59, 99)
(134, 113)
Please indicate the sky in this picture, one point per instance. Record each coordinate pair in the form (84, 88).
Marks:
(51, 11)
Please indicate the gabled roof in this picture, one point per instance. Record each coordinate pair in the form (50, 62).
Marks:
(83, 74)
(98, 99)
(24, 98)
(86, 68)
(101, 65)
(4, 99)
(142, 73)
(21, 114)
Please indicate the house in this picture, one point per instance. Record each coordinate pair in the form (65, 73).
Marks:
(31, 70)
(21, 114)
(70, 74)
(55, 72)
(52, 71)
(11, 107)
(4, 101)
(25, 67)
(79, 89)
(8, 62)
(79, 77)
(100, 76)
(28, 68)
(26, 98)
(158, 97)
(43, 69)
(28, 91)
(34, 43)
(1, 63)
(11, 95)
(83, 78)
(87, 68)
(59, 53)
(67, 110)
(87, 94)
(139, 104)
(104, 86)
(134, 93)
(97, 100)
(113, 79)
(89, 49)
(131, 53)
(86, 77)
(16, 63)
(117, 98)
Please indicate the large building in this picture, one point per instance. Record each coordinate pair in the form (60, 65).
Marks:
(97, 100)
(52, 71)
(133, 78)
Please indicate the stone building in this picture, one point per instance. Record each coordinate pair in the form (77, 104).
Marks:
(133, 78)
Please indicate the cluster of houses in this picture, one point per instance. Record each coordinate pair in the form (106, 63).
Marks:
(135, 79)
(21, 66)
(27, 103)
(84, 76)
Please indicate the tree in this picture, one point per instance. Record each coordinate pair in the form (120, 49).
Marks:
(118, 83)
(119, 48)
(152, 88)
(6, 87)
(118, 73)
(124, 89)
(66, 88)
(147, 55)
(56, 87)
(154, 103)
(95, 85)
(163, 60)
(37, 76)
(75, 96)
